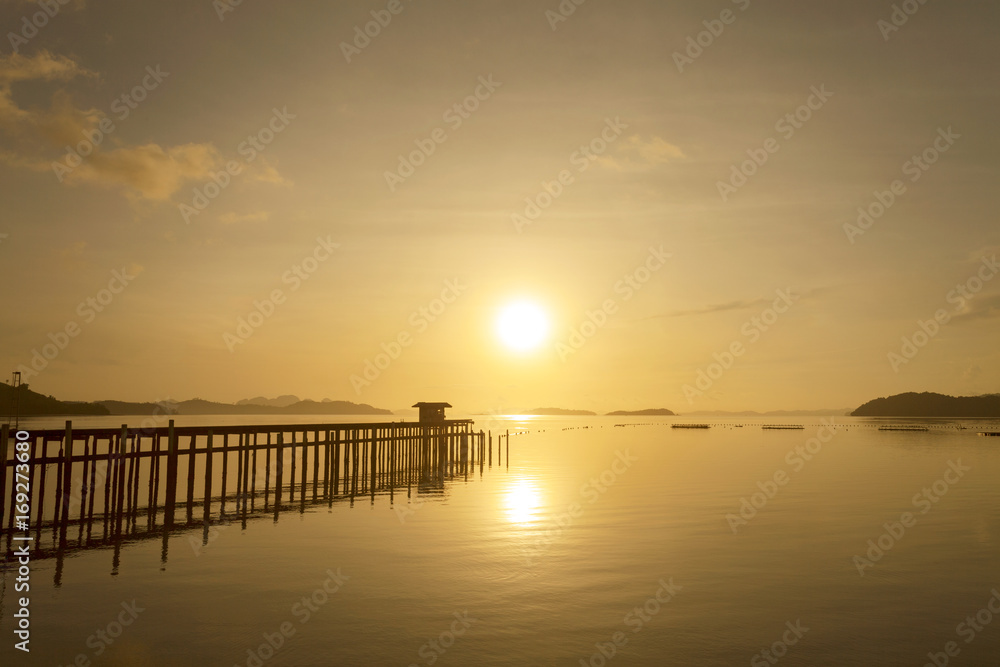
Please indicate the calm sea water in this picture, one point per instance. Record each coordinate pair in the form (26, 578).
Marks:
(600, 543)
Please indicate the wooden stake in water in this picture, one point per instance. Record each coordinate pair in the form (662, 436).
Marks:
(225, 472)
(278, 466)
(4, 428)
(208, 479)
(168, 518)
(120, 493)
(67, 479)
(190, 478)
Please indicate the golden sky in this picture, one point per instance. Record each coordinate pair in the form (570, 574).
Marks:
(673, 187)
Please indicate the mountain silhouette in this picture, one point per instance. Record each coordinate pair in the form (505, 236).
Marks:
(928, 404)
(33, 403)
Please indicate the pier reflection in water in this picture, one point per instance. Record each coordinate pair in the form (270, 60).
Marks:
(105, 488)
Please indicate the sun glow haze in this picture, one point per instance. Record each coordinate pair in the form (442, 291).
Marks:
(522, 325)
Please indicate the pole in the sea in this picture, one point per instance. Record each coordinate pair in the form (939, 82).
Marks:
(13, 414)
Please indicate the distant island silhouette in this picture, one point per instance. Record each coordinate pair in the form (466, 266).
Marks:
(33, 404)
(910, 404)
(928, 404)
(774, 413)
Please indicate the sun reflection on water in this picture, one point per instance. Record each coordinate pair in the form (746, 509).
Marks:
(523, 502)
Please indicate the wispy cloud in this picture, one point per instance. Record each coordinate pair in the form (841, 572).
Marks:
(43, 65)
(742, 304)
(149, 171)
(717, 308)
(232, 217)
(637, 154)
(980, 308)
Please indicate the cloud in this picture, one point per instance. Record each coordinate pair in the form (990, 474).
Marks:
(265, 173)
(73, 251)
(718, 308)
(43, 65)
(637, 154)
(147, 172)
(232, 217)
(739, 305)
(71, 257)
(972, 373)
(980, 308)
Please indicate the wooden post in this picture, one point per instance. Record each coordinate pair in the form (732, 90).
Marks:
(354, 462)
(35, 456)
(246, 471)
(316, 447)
(154, 479)
(114, 469)
(245, 456)
(328, 464)
(208, 478)
(93, 489)
(83, 489)
(363, 470)
(4, 435)
(225, 472)
(67, 481)
(239, 468)
(390, 470)
(120, 495)
(305, 464)
(134, 488)
(190, 478)
(109, 472)
(347, 455)
(59, 481)
(336, 463)
(373, 463)
(291, 487)
(253, 472)
(267, 469)
(168, 517)
(132, 459)
(278, 472)
(13, 492)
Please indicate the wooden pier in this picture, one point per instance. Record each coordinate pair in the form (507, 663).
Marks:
(93, 487)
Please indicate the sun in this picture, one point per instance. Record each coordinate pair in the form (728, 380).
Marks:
(522, 325)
